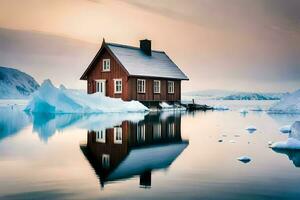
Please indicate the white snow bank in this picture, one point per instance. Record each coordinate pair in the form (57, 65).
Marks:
(289, 104)
(285, 129)
(244, 159)
(165, 107)
(220, 107)
(49, 99)
(293, 142)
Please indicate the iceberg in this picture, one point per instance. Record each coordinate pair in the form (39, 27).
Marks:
(293, 142)
(49, 99)
(243, 111)
(289, 104)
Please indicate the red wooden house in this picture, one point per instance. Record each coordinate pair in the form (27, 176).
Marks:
(133, 73)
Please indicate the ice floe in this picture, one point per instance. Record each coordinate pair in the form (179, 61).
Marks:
(49, 99)
(293, 142)
(251, 129)
(244, 159)
(220, 107)
(285, 129)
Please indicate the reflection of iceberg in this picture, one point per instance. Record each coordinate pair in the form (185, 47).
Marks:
(46, 124)
(12, 120)
(293, 155)
(135, 148)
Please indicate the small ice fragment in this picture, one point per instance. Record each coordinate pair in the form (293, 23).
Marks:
(220, 140)
(251, 129)
(224, 135)
(270, 143)
(220, 108)
(236, 135)
(285, 129)
(232, 141)
(243, 111)
(244, 159)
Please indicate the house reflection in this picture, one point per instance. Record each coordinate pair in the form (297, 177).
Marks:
(135, 148)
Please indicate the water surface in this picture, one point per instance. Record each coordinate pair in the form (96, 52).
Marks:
(144, 156)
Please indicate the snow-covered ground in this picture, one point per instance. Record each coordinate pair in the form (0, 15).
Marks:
(49, 99)
(289, 104)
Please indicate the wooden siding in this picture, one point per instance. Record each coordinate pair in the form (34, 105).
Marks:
(129, 84)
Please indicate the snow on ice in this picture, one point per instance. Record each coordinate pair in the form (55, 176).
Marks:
(289, 104)
(49, 99)
(293, 142)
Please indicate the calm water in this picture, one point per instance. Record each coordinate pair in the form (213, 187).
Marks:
(135, 156)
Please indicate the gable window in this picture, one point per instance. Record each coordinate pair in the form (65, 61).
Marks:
(106, 65)
(157, 131)
(118, 86)
(100, 136)
(118, 135)
(105, 161)
(171, 130)
(171, 87)
(156, 86)
(140, 133)
(141, 85)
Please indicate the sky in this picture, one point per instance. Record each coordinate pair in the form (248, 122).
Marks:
(245, 45)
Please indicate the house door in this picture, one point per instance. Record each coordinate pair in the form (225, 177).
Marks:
(101, 86)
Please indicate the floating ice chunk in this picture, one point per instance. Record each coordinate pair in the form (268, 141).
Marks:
(251, 129)
(220, 107)
(257, 109)
(270, 143)
(49, 99)
(289, 104)
(220, 140)
(166, 106)
(243, 111)
(293, 142)
(244, 159)
(285, 129)
(232, 141)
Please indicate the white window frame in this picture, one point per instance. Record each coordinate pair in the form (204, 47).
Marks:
(141, 88)
(157, 130)
(106, 65)
(101, 136)
(116, 86)
(141, 133)
(171, 87)
(156, 88)
(171, 130)
(118, 135)
(105, 161)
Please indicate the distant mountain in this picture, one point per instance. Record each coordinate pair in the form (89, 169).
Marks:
(15, 84)
(253, 96)
(234, 95)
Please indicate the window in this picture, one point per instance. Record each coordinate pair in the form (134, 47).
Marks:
(105, 161)
(100, 136)
(106, 65)
(118, 86)
(156, 86)
(157, 131)
(140, 134)
(118, 135)
(141, 85)
(171, 87)
(171, 130)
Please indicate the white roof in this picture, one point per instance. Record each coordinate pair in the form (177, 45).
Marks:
(138, 64)
(142, 159)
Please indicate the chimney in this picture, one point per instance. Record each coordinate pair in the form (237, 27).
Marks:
(145, 46)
